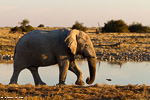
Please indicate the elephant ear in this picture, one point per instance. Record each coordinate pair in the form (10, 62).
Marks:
(71, 41)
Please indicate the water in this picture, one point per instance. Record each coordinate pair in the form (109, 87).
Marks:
(128, 73)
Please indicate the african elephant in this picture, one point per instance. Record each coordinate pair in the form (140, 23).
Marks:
(40, 48)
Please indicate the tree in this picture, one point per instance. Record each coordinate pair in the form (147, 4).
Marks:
(24, 22)
(27, 28)
(115, 26)
(79, 26)
(23, 28)
(139, 28)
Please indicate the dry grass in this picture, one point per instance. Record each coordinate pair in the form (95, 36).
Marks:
(129, 41)
(8, 41)
(97, 91)
(134, 44)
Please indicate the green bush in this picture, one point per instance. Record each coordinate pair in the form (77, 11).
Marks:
(115, 26)
(139, 28)
(79, 26)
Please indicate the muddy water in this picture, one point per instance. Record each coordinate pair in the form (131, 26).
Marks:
(128, 73)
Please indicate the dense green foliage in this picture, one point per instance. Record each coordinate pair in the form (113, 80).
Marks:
(115, 26)
(79, 26)
(139, 28)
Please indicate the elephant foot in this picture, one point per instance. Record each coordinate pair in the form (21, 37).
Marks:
(13, 82)
(40, 83)
(62, 83)
(79, 82)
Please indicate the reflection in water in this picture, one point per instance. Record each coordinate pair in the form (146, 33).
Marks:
(120, 63)
(129, 73)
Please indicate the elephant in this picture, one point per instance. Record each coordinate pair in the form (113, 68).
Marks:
(40, 48)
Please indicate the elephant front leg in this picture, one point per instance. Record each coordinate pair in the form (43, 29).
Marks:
(63, 68)
(36, 76)
(75, 69)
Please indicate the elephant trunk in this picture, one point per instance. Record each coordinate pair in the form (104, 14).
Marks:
(92, 70)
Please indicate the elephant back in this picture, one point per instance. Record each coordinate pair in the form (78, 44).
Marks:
(40, 38)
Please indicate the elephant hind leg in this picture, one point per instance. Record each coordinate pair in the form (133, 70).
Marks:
(19, 64)
(15, 75)
(75, 69)
(36, 76)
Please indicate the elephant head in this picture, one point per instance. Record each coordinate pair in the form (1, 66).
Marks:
(80, 43)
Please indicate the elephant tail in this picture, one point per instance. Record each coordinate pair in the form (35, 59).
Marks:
(14, 54)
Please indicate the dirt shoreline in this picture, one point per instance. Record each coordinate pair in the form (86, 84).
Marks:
(96, 92)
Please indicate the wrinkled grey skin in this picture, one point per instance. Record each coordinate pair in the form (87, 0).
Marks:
(43, 48)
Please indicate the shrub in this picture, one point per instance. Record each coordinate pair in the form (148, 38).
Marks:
(16, 30)
(41, 25)
(139, 28)
(79, 26)
(115, 26)
(27, 28)
(23, 28)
